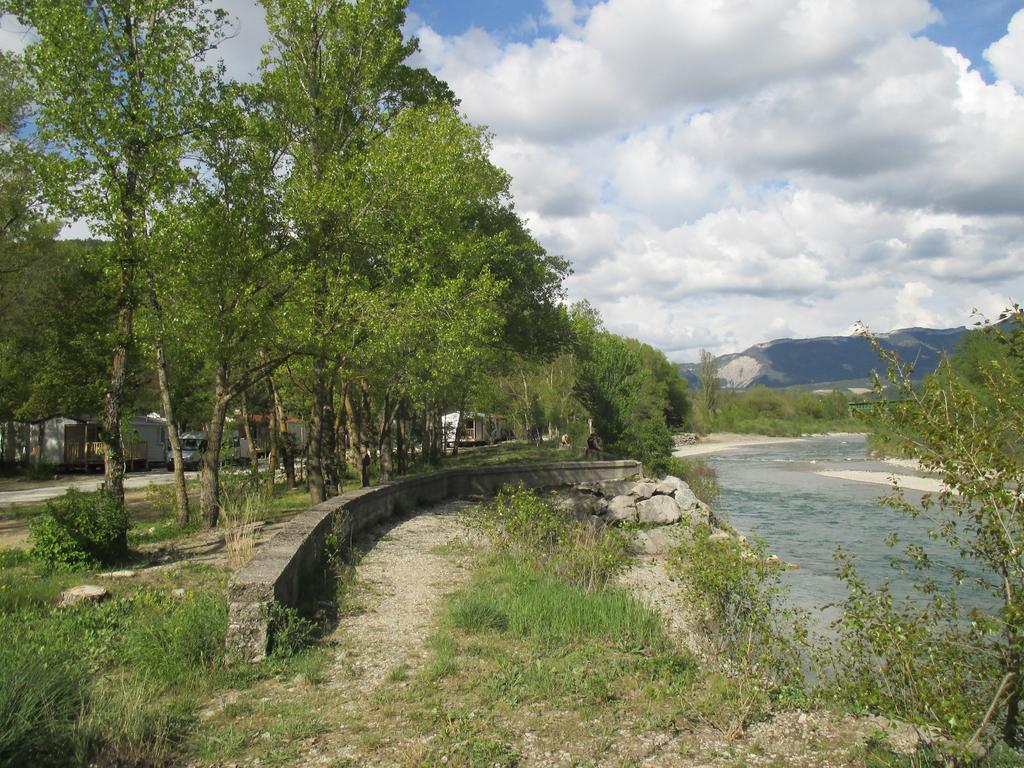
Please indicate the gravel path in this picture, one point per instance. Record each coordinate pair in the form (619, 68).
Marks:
(400, 582)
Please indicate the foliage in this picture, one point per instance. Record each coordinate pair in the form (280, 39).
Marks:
(916, 659)
(740, 606)
(707, 376)
(625, 388)
(110, 683)
(964, 424)
(784, 412)
(289, 631)
(80, 530)
(518, 523)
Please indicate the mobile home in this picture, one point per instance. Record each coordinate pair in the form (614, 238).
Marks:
(477, 428)
(73, 442)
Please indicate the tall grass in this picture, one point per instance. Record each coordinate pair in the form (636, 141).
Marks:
(114, 683)
(514, 597)
(240, 517)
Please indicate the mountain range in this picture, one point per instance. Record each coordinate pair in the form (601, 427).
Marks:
(828, 362)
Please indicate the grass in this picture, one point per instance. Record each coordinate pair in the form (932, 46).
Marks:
(512, 452)
(120, 682)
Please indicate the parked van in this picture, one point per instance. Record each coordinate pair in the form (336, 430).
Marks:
(193, 446)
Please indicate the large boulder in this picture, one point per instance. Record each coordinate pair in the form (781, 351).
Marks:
(686, 498)
(621, 509)
(659, 510)
(655, 541)
(643, 490)
(670, 485)
(589, 506)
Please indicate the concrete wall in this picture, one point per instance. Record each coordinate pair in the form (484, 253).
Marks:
(294, 556)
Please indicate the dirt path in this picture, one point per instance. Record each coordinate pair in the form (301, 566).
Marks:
(400, 582)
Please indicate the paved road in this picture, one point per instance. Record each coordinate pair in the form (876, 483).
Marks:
(134, 480)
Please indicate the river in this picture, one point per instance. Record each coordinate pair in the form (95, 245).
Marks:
(772, 491)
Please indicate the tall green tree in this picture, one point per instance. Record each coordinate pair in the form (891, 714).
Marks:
(118, 90)
(223, 273)
(337, 78)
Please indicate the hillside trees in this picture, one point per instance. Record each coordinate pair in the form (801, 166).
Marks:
(117, 90)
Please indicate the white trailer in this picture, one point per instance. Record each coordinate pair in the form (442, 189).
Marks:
(477, 428)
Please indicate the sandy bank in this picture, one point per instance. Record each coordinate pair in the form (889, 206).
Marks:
(726, 441)
(910, 482)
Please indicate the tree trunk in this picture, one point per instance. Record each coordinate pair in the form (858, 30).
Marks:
(211, 457)
(384, 446)
(341, 443)
(400, 443)
(356, 437)
(41, 443)
(272, 456)
(328, 445)
(314, 454)
(180, 487)
(254, 460)
(287, 455)
(110, 424)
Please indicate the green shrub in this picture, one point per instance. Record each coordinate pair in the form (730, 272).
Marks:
(740, 606)
(41, 471)
(290, 632)
(519, 523)
(80, 530)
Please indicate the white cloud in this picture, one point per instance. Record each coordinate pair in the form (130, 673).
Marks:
(1006, 55)
(13, 36)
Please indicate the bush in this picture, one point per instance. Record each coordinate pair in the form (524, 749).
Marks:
(517, 522)
(290, 633)
(740, 607)
(80, 530)
(41, 471)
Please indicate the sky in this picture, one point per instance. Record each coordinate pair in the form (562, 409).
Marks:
(722, 173)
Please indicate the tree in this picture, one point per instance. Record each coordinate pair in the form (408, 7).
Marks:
(707, 375)
(969, 431)
(337, 79)
(117, 90)
(222, 268)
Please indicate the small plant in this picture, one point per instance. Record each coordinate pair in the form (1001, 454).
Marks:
(290, 632)
(519, 523)
(740, 607)
(41, 471)
(239, 517)
(79, 530)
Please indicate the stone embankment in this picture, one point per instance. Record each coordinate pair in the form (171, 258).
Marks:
(657, 511)
(293, 558)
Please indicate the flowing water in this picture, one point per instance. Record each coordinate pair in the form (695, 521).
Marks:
(771, 491)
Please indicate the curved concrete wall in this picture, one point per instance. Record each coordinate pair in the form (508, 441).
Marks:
(280, 568)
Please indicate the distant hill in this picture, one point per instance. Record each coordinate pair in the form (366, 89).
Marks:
(828, 361)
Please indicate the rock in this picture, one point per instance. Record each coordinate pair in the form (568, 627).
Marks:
(117, 575)
(621, 509)
(179, 592)
(640, 544)
(85, 593)
(670, 485)
(585, 506)
(686, 498)
(588, 488)
(719, 536)
(611, 488)
(643, 490)
(659, 510)
(665, 538)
